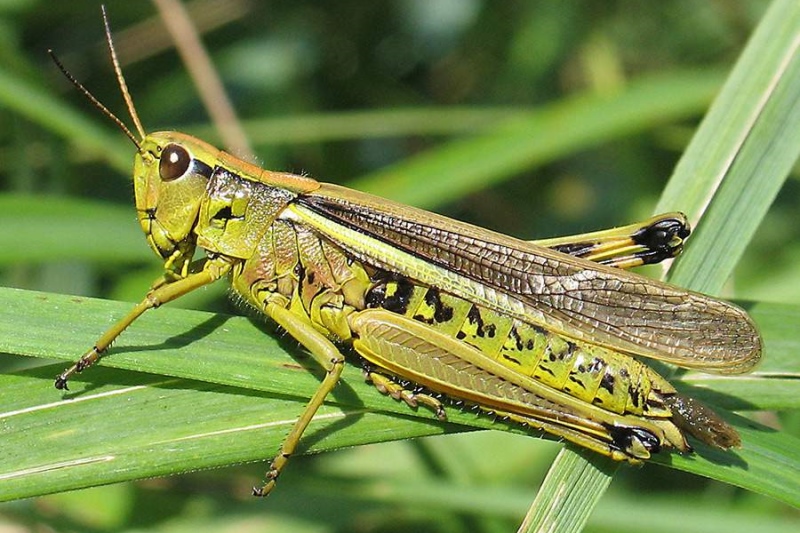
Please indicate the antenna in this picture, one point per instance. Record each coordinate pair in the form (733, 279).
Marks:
(95, 102)
(120, 78)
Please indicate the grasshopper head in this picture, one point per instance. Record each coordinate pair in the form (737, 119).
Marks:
(171, 174)
(170, 179)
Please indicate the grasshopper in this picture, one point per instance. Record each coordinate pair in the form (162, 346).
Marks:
(539, 333)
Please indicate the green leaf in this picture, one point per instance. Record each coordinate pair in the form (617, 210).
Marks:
(750, 123)
(742, 153)
(585, 478)
(536, 137)
(200, 390)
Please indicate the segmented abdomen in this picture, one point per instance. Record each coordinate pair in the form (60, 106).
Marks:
(613, 381)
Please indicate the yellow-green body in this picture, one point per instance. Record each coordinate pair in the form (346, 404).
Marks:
(543, 334)
(520, 330)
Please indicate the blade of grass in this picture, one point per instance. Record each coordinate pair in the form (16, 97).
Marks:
(744, 137)
(218, 366)
(368, 124)
(534, 138)
(218, 426)
(742, 153)
(576, 480)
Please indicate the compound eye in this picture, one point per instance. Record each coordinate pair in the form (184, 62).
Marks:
(174, 163)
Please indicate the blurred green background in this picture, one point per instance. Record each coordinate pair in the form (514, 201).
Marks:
(377, 95)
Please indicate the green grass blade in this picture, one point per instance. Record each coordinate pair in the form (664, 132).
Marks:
(578, 480)
(741, 154)
(54, 442)
(751, 122)
(231, 391)
(535, 138)
(367, 124)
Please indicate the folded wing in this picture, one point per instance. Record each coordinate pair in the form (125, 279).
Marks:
(574, 297)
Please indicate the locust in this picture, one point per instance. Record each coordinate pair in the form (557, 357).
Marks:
(546, 334)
